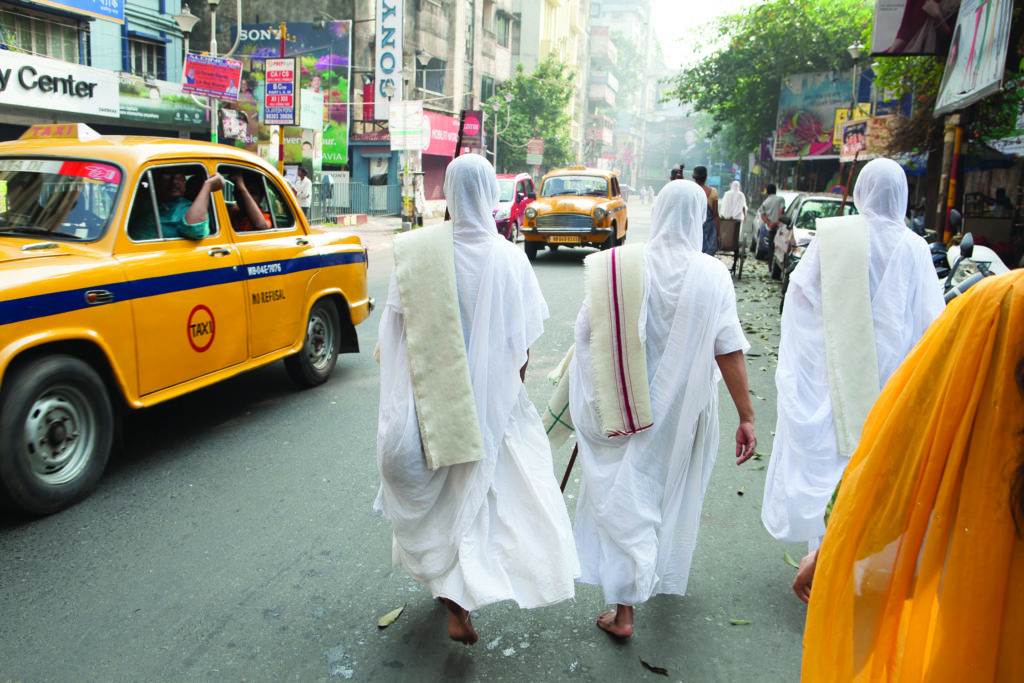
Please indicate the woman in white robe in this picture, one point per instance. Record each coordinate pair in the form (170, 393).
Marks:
(906, 297)
(641, 495)
(734, 203)
(496, 529)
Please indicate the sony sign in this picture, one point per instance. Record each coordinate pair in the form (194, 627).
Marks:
(388, 55)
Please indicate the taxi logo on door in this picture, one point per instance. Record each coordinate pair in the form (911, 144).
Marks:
(201, 328)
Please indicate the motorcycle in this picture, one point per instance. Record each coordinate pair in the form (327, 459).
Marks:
(970, 265)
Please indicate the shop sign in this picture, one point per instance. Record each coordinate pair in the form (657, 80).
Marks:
(855, 141)
(388, 51)
(279, 92)
(807, 112)
(158, 102)
(440, 134)
(861, 111)
(218, 77)
(472, 128)
(41, 83)
(977, 55)
(903, 27)
(405, 122)
(111, 10)
(311, 110)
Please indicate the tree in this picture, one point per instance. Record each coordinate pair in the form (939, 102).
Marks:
(738, 84)
(539, 109)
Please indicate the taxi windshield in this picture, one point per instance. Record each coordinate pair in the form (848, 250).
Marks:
(505, 188)
(58, 198)
(575, 185)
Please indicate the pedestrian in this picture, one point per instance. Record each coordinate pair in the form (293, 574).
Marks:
(734, 203)
(643, 398)
(465, 467)
(921, 570)
(303, 188)
(710, 227)
(860, 298)
(771, 212)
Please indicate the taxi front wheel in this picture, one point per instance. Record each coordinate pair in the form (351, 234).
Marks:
(56, 431)
(312, 365)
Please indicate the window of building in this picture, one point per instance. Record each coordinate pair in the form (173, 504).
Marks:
(487, 88)
(501, 28)
(148, 57)
(431, 76)
(488, 17)
(40, 34)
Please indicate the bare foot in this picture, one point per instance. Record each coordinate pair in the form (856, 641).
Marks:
(617, 622)
(460, 626)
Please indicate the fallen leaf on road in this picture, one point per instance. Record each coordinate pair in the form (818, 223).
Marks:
(740, 492)
(390, 618)
(739, 622)
(758, 456)
(790, 561)
(660, 670)
(759, 468)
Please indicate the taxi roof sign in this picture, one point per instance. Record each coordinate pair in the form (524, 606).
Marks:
(60, 131)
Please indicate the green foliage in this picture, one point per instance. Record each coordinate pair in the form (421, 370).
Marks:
(539, 108)
(738, 84)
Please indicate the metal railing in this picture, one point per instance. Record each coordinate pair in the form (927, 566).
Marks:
(344, 197)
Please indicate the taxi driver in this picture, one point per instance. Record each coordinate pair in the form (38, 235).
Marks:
(179, 217)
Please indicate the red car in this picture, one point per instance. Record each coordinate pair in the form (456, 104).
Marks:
(515, 192)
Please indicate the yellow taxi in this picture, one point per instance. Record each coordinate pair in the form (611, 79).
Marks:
(135, 270)
(576, 206)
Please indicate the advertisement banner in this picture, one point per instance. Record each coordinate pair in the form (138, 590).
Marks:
(472, 128)
(861, 111)
(322, 52)
(535, 152)
(440, 134)
(218, 77)
(807, 112)
(110, 10)
(311, 110)
(977, 54)
(913, 27)
(158, 102)
(405, 123)
(388, 49)
(279, 92)
(855, 141)
(56, 86)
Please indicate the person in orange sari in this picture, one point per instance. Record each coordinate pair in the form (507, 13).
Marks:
(921, 572)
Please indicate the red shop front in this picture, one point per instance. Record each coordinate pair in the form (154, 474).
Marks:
(442, 131)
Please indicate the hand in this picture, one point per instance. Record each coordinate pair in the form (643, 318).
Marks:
(240, 186)
(215, 182)
(746, 442)
(805, 576)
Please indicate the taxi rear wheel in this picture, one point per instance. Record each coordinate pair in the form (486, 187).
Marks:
(314, 363)
(56, 432)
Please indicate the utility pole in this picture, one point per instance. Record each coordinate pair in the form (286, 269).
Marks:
(213, 53)
(947, 181)
(295, 98)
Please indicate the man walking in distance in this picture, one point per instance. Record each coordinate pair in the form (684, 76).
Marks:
(710, 226)
(771, 212)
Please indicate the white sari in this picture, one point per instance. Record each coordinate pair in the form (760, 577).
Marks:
(496, 529)
(641, 495)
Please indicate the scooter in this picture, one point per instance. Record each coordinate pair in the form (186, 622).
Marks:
(971, 264)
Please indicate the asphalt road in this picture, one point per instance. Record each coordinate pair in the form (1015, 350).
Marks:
(234, 540)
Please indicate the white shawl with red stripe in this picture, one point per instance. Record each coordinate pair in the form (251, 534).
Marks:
(615, 297)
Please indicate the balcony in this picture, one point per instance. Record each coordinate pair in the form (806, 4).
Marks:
(601, 94)
(600, 134)
(604, 78)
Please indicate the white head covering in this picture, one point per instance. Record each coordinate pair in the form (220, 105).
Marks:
(733, 202)
(881, 194)
(471, 188)
(678, 216)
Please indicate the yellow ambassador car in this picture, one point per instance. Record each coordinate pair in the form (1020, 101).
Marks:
(135, 270)
(576, 206)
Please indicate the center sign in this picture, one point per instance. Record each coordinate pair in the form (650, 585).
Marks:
(279, 96)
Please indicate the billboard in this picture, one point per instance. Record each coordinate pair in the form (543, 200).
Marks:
(388, 50)
(218, 77)
(977, 54)
(913, 27)
(158, 102)
(405, 124)
(807, 114)
(56, 86)
(110, 10)
(322, 52)
(279, 92)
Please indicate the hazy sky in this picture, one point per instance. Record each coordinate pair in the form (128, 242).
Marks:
(678, 22)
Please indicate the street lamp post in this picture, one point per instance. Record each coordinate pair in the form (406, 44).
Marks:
(496, 106)
(213, 53)
(855, 52)
(186, 23)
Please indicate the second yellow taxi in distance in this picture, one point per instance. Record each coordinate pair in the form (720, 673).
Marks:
(135, 270)
(576, 206)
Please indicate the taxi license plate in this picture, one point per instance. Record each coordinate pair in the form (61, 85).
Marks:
(564, 239)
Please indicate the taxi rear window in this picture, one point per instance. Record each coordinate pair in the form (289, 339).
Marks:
(67, 199)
